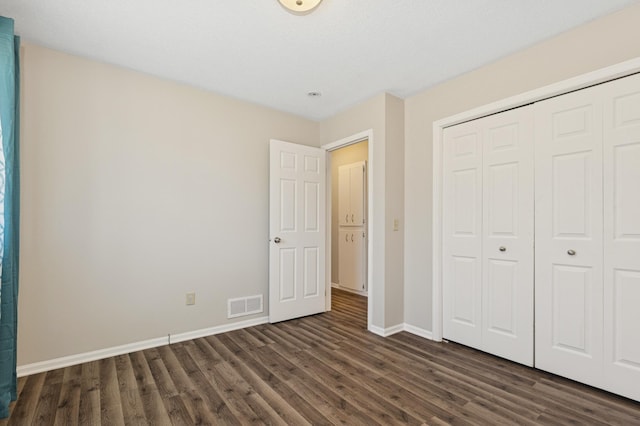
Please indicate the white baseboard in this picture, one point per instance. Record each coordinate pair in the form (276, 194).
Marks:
(377, 330)
(385, 332)
(190, 335)
(66, 361)
(52, 364)
(418, 331)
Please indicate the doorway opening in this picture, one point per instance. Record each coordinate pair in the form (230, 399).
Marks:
(349, 230)
(349, 217)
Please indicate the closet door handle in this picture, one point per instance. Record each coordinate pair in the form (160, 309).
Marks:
(351, 217)
(346, 238)
(571, 252)
(346, 217)
(351, 237)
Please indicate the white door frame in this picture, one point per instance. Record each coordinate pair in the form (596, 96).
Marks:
(622, 69)
(350, 140)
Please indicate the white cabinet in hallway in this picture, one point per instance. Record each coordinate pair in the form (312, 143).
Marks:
(352, 246)
(352, 269)
(351, 194)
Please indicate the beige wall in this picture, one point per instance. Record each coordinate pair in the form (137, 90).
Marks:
(601, 43)
(340, 157)
(135, 191)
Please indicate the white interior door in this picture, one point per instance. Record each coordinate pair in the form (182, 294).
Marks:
(297, 221)
(622, 237)
(462, 234)
(568, 234)
(507, 231)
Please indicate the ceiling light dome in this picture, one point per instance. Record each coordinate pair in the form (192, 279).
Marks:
(300, 7)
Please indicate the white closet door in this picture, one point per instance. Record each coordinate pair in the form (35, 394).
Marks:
(507, 229)
(568, 233)
(622, 237)
(462, 234)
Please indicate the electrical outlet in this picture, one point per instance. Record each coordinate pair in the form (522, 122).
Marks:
(191, 298)
(396, 224)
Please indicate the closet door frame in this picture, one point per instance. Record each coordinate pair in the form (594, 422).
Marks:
(576, 83)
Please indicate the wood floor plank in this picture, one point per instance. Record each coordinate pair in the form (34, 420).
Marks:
(284, 410)
(304, 408)
(68, 410)
(320, 369)
(161, 376)
(89, 411)
(153, 406)
(110, 404)
(25, 407)
(132, 405)
(199, 373)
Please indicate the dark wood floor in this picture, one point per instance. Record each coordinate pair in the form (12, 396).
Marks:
(323, 369)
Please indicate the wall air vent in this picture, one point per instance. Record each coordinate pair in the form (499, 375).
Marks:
(244, 306)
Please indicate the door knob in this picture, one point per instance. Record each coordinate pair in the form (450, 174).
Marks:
(277, 240)
(571, 252)
(503, 248)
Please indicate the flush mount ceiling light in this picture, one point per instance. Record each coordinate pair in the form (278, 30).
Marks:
(300, 7)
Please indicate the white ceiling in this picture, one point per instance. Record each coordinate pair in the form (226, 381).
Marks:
(349, 50)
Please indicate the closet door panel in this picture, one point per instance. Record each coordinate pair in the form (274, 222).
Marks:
(507, 231)
(568, 235)
(622, 236)
(462, 236)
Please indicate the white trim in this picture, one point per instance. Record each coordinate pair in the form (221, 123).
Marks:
(52, 364)
(350, 140)
(190, 335)
(622, 69)
(66, 361)
(386, 332)
(421, 332)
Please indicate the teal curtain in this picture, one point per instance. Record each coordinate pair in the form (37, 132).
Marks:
(9, 211)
